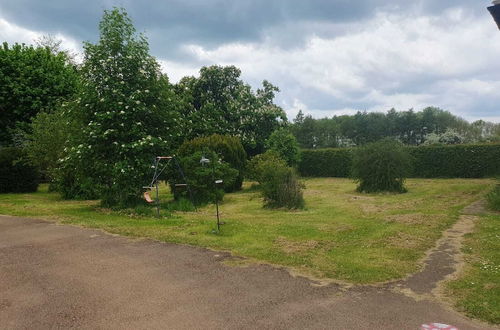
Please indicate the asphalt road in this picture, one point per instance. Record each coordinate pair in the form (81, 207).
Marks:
(60, 277)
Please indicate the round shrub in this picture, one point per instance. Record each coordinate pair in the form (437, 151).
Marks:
(279, 183)
(228, 148)
(381, 166)
(17, 175)
(261, 164)
(286, 145)
(201, 179)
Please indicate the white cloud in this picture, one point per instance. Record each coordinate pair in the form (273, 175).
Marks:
(391, 61)
(13, 33)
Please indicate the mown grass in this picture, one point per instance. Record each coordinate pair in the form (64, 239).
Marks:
(477, 291)
(341, 235)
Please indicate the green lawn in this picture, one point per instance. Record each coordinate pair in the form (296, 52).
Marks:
(342, 235)
(477, 291)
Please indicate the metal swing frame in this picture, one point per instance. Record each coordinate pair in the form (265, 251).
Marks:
(155, 181)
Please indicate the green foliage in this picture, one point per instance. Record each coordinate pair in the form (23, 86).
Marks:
(493, 198)
(409, 127)
(48, 138)
(381, 166)
(17, 175)
(450, 136)
(281, 188)
(279, 183)
(458, 161)
(219, 102)
(263, 163)
(228, 148)
(128, 111)
(454, 161)
(326, 163)
(201, 178)
(31, 80)
(285, 144)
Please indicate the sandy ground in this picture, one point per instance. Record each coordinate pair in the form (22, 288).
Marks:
(60, 277)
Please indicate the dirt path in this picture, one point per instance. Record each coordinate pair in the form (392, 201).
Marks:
(54, 276)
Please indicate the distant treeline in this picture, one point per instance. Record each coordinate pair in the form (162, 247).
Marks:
(429, 126)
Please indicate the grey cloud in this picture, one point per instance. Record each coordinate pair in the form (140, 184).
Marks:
(209, 23)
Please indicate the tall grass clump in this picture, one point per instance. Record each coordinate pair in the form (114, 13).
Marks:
(381, 166)
(493, 198)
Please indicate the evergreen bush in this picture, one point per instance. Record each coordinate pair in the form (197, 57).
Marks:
(228, 148)
(201, 179)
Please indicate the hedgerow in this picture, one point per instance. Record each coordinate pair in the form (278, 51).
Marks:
(452, 161)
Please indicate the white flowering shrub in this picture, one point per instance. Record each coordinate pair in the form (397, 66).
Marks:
(450, 136)
(128, 112)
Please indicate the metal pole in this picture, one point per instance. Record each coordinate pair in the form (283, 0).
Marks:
(157, 200)
(216, 196)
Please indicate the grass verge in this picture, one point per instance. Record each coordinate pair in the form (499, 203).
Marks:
(341, 235)
(477, 290)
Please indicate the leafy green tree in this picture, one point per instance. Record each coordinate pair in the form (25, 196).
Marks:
(48, 138)
(219, 102)
(128, 111)
(285, 144)
(32, 79)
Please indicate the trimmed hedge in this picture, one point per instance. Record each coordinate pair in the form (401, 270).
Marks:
(453, 161)
(16, 174)
(456, 161)
(326, 163)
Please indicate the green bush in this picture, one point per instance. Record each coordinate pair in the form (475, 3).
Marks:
(285, 144)
(260, 164)
(17, 175)
(326, 163)
(381, 166)
(493, 198)
(454, 161)
(228, 148)
(279, 183)
(201, 179)
(282, 188)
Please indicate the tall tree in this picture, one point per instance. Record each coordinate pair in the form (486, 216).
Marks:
(128, 110)
(219, 102)
(32, 79)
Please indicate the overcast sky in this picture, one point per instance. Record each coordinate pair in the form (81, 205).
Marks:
(328, 57)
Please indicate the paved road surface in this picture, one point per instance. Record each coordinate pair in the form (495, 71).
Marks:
(61, 277)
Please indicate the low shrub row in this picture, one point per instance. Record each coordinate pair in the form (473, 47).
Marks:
(454, 161)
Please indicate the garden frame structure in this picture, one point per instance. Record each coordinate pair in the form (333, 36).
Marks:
(155, 181)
